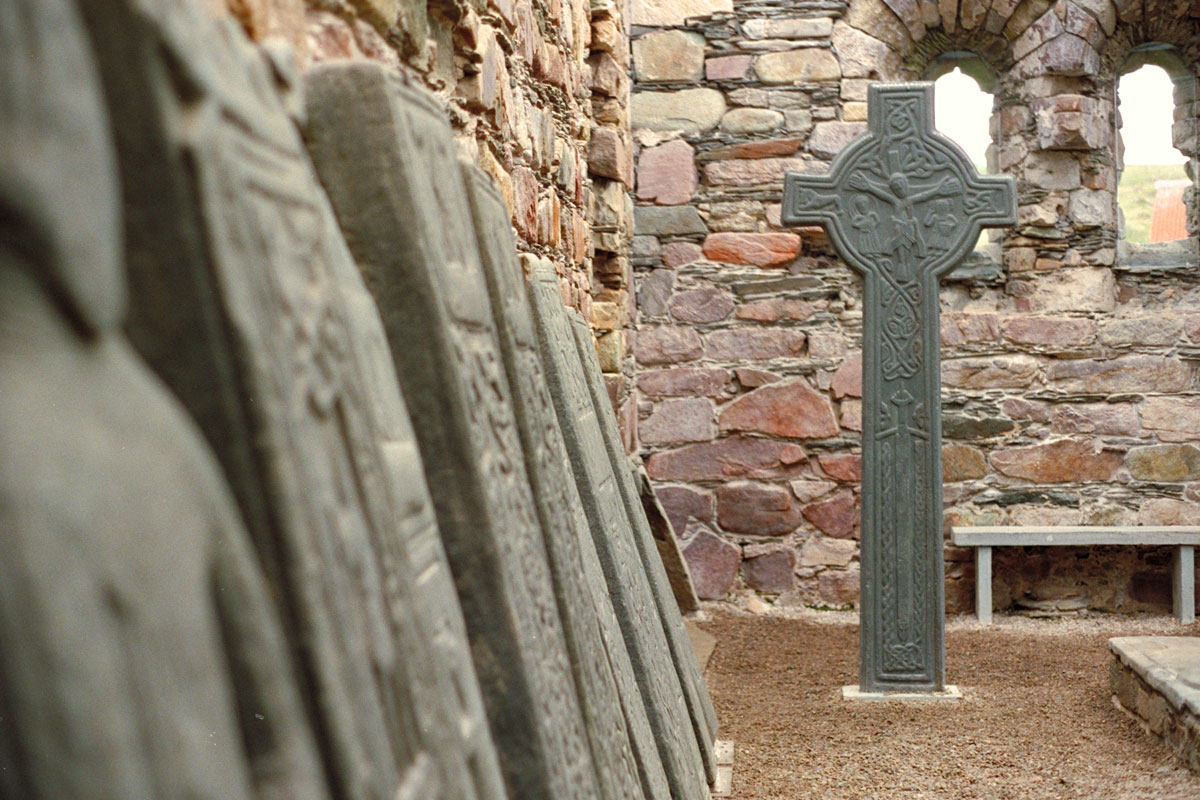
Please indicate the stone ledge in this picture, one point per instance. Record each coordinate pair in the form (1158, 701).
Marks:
(854, 693)
(1156, 679)
(1158, 257)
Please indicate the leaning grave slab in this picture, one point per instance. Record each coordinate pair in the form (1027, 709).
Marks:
(135, 619)
(237, 271)
(902, 205)
(613, 534)
(386, 154)
(607, 688)
(704, 717)
(665, 539)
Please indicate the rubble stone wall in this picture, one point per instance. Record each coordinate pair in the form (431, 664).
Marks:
(1070, 391)
(537, 92)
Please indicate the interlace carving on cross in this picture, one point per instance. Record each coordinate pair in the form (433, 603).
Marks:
(902, 205)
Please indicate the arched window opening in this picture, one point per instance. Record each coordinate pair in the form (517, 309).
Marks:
(1153, 172)
(962, 110)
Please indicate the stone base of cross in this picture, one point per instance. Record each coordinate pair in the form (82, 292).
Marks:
(902, 205)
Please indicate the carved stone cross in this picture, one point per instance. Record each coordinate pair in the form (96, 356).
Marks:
(902, 205)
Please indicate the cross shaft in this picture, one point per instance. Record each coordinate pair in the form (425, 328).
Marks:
(902, 205)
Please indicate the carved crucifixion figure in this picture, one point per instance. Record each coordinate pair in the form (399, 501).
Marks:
(902, 205)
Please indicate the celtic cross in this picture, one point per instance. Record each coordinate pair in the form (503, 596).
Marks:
(902, 205)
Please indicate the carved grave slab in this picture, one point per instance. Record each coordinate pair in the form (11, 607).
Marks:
(445, 674)
(678, 574)
(386, 154)
(598, 653)
(136, 624)
(703, 716)
(902, 205)
(632, 595)
(239, 275)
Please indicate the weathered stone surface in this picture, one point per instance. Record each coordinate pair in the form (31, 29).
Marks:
(758, 148)
(839, 588)
(683, 382)
(606, 700)
(722, 459)
(135, 611)
(1164, 462)
(848, 378)
(967, 328)
(677, 254)
(684, 504)
(807, 489)
(1050, 331)
(702, 305)
(824, 551)
(1052, 171)
(1119, 419)
(761, 509)
(788, 28)
(1167, 511)
(793, 409)
(698, 704)
(775, 309)
(993, 372)
(667, 543)
(713, 563)
(824, 344)
(727, 68)
(870, 211)
(955, 426)
(678, 420)
(836, 517)
(581, 413)
(751, 120)
(768, 569)
(850, 415)
(753, 344)
(690, 111)
(828, 138)
(667, 173)
(667, 221)
(1064, 461)
(461, 406)
(654, 292)
(1136, 373)
(1173, 419)
(754, 249)
(842, 466)
(961, 462)
(749, 378)
(863, 56)
(742, 171)
(806, 65)
(665, 344)
(665, 13)
(1092, 208)
(668, 56)
(1076, 289)
(1154, 330)
(609, 154)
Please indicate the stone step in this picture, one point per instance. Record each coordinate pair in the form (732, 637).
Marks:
(1156, 679)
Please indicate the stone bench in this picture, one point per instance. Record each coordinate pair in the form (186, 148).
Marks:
(984, 537)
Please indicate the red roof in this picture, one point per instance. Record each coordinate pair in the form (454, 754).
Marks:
(1169, 220)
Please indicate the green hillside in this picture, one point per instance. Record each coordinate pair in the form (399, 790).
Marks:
(1135, 196)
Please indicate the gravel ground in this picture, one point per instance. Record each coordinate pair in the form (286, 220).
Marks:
(1037, 721)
